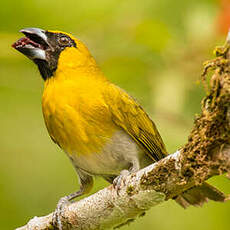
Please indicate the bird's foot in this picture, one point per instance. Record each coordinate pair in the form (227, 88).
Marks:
(57, 218)
(120, 180)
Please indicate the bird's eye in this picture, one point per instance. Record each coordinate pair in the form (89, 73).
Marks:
(63, 41)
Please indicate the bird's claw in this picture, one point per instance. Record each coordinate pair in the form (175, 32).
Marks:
(57, 218)
(120, 180)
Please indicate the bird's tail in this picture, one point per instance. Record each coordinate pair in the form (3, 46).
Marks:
(200, 194)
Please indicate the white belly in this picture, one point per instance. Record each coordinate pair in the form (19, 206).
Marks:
(119, 153)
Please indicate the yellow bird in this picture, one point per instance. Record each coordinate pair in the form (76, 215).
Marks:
(102, 129)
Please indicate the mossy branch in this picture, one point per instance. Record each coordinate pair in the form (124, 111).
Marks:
(206, 154)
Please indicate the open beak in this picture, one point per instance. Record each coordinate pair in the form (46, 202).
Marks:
(34, 44)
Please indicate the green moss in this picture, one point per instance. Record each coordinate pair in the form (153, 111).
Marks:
(221, 51)
(211, 129)
(130, 190)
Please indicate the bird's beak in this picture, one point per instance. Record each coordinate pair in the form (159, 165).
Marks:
(34, 44)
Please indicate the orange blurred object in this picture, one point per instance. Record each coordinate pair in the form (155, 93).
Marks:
(223, 20)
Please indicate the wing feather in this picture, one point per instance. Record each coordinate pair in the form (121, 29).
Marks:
(129, 115)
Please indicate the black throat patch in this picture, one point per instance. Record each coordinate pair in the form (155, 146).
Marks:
(57, 43)
(44, 69)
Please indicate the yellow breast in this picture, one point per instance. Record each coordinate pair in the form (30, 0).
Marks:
(76, 115)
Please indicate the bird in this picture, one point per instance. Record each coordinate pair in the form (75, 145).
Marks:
(101, 128)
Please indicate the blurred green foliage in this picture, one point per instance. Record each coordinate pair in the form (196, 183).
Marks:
(153, 49)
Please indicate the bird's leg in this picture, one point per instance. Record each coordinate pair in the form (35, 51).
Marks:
(119, 180)
(62, 204)
(86, 183)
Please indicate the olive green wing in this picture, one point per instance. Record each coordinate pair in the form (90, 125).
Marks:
(128, 114)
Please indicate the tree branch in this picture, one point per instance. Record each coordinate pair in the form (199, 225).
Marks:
(206, 154)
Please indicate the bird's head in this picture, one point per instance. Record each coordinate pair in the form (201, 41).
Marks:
(52, 50)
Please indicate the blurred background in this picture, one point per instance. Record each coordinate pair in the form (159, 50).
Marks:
(152, 49)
